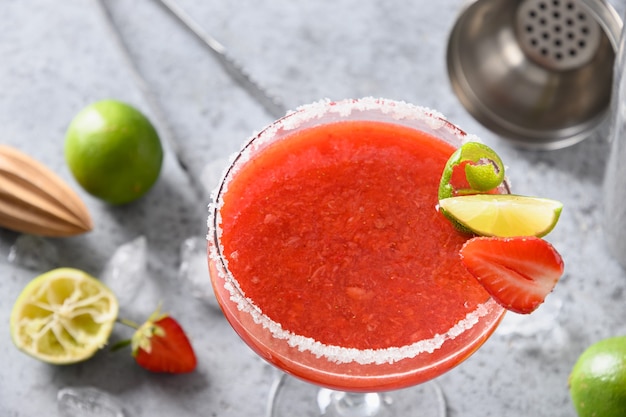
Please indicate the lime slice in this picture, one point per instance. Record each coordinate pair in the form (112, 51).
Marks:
(63, 316)
(503, 215)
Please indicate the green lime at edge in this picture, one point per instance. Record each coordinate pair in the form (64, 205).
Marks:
(597, 382)
(113, 151)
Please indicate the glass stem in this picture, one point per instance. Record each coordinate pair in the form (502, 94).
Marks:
(348, 404)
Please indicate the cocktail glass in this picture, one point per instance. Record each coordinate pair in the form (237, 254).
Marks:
(327, 377)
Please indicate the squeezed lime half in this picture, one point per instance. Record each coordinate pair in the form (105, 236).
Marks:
(63, 316)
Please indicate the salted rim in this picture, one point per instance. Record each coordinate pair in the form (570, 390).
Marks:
(398, 110)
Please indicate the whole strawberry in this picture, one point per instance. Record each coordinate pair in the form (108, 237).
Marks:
(161, 345)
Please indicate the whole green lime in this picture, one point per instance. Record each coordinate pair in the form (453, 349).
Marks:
(113, 151)
(598, 379)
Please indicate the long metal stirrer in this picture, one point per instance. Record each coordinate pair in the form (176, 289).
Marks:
(165, 130)
(269, 102)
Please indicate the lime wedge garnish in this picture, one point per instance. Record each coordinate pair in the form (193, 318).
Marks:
(503, 215)
(63, 316)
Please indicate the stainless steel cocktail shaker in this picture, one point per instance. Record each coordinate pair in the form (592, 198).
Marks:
(615, 176)
(535, 72)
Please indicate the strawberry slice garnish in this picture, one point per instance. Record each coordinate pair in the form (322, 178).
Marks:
(161, 345)
(518, 272)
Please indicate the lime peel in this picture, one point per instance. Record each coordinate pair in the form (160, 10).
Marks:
(63, 316)
(502, 215)
(482, 168)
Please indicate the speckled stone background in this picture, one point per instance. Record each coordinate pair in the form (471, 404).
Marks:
(58, 56)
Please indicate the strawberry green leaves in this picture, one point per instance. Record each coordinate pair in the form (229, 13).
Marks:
(160, 345)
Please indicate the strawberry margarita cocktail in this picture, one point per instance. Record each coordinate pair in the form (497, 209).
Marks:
(329, 257)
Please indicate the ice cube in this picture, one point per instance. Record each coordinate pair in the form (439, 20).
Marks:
(88, 402)
(126, 273)
(34, 252)
(194, 272)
